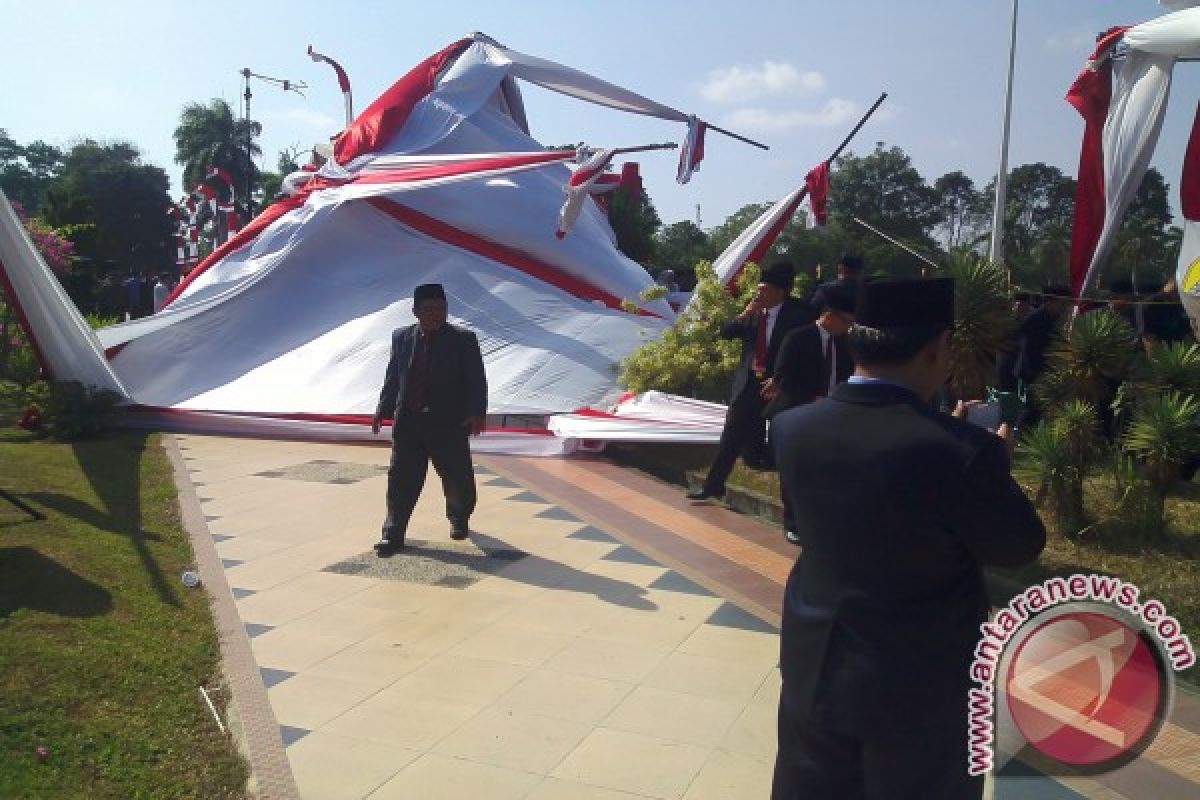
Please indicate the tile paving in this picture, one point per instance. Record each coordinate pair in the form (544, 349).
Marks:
(596, 638)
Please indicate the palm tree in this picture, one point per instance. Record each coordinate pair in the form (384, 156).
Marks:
(1086, 363)
(983, 322)
(212, 135)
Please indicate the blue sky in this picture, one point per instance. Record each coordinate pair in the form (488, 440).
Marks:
(795, 75)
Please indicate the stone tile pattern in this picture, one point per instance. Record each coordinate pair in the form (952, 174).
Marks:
(561, 664)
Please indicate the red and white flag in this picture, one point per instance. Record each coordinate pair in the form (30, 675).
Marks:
(582, 183)
(817, 183)
(692, 151)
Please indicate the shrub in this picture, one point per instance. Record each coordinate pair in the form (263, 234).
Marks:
(72, 411)
(690, 357)
(1062, 450)
(983, 322)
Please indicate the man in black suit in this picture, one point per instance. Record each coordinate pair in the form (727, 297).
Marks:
(435, 391)
(848, 272)
(898, 508)
(762, 326)
(812, 360)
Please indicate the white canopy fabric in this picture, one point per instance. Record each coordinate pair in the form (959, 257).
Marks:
(64, 341)
(1141, 87)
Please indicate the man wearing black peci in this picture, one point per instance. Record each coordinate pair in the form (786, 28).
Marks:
(812, 360)
(435, 391)
(898, 509)
(762, 326)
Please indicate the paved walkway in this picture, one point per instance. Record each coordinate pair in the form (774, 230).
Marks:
(597, 638)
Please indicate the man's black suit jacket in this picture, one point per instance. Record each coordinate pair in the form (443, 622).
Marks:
(898, 508)
(792, 313)
(457, 386)
(801, 374)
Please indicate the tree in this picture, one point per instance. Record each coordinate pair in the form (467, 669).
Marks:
(1144, 251)
(118, 205)
(212, 135)
(287, 163)
(886, 191)
(634, 221)
(959, 206)
(679, 247)
(1038, 198)
(26, 172)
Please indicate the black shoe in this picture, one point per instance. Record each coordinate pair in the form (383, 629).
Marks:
(703, 494)
(386, 547)
(459, 531)
(791, 537)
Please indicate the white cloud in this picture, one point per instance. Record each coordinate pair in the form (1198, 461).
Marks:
(739, 84)
(836, 111)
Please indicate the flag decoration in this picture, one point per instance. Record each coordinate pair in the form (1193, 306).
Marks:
(817, 184)
(691, 153)
(582, 183)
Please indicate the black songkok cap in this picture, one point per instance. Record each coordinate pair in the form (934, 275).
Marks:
(904, 303)
(429, 291)
(779, 274)
(837, 295)
(852, 263)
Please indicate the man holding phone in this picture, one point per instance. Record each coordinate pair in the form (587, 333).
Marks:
(898, 508)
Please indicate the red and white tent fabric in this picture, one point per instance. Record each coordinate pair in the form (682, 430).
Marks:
(287, 325)
(1122, 95)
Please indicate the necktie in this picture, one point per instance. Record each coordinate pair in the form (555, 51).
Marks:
(760, 346)
(830, 366)
(418, 375)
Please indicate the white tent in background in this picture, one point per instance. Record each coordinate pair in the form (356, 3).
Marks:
(286, 327)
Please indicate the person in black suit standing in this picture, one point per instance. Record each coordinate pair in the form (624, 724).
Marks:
(435, 392)
(812, 360)
(762, 326)
(898, 509)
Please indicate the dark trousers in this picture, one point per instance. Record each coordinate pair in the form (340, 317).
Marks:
(744, 435)
(924, 758)
(418, 439)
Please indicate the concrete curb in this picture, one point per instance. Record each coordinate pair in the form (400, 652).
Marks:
(252, 721)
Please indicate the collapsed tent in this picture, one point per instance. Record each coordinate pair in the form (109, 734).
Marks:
(286, 327)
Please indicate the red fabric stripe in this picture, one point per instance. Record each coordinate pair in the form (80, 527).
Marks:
(409, 174)
(1189, 186)
(337, 419)
(496, 252)
(240, 239)
(23, 321)
(1091, 94)
(768, 238)
(380, 121)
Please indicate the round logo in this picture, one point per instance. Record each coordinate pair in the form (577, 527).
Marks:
(1087, 690)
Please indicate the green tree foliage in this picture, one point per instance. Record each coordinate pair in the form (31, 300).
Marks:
(27, 171)
(287, 163)
(117, 205)
(634, 221)
(680, 246)
(885, 190)
(961, 208)
(690, 357)
(211, 134)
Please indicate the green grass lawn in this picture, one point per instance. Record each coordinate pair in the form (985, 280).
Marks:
(102, 648)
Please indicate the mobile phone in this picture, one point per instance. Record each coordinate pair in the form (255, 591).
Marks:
(985, 415)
